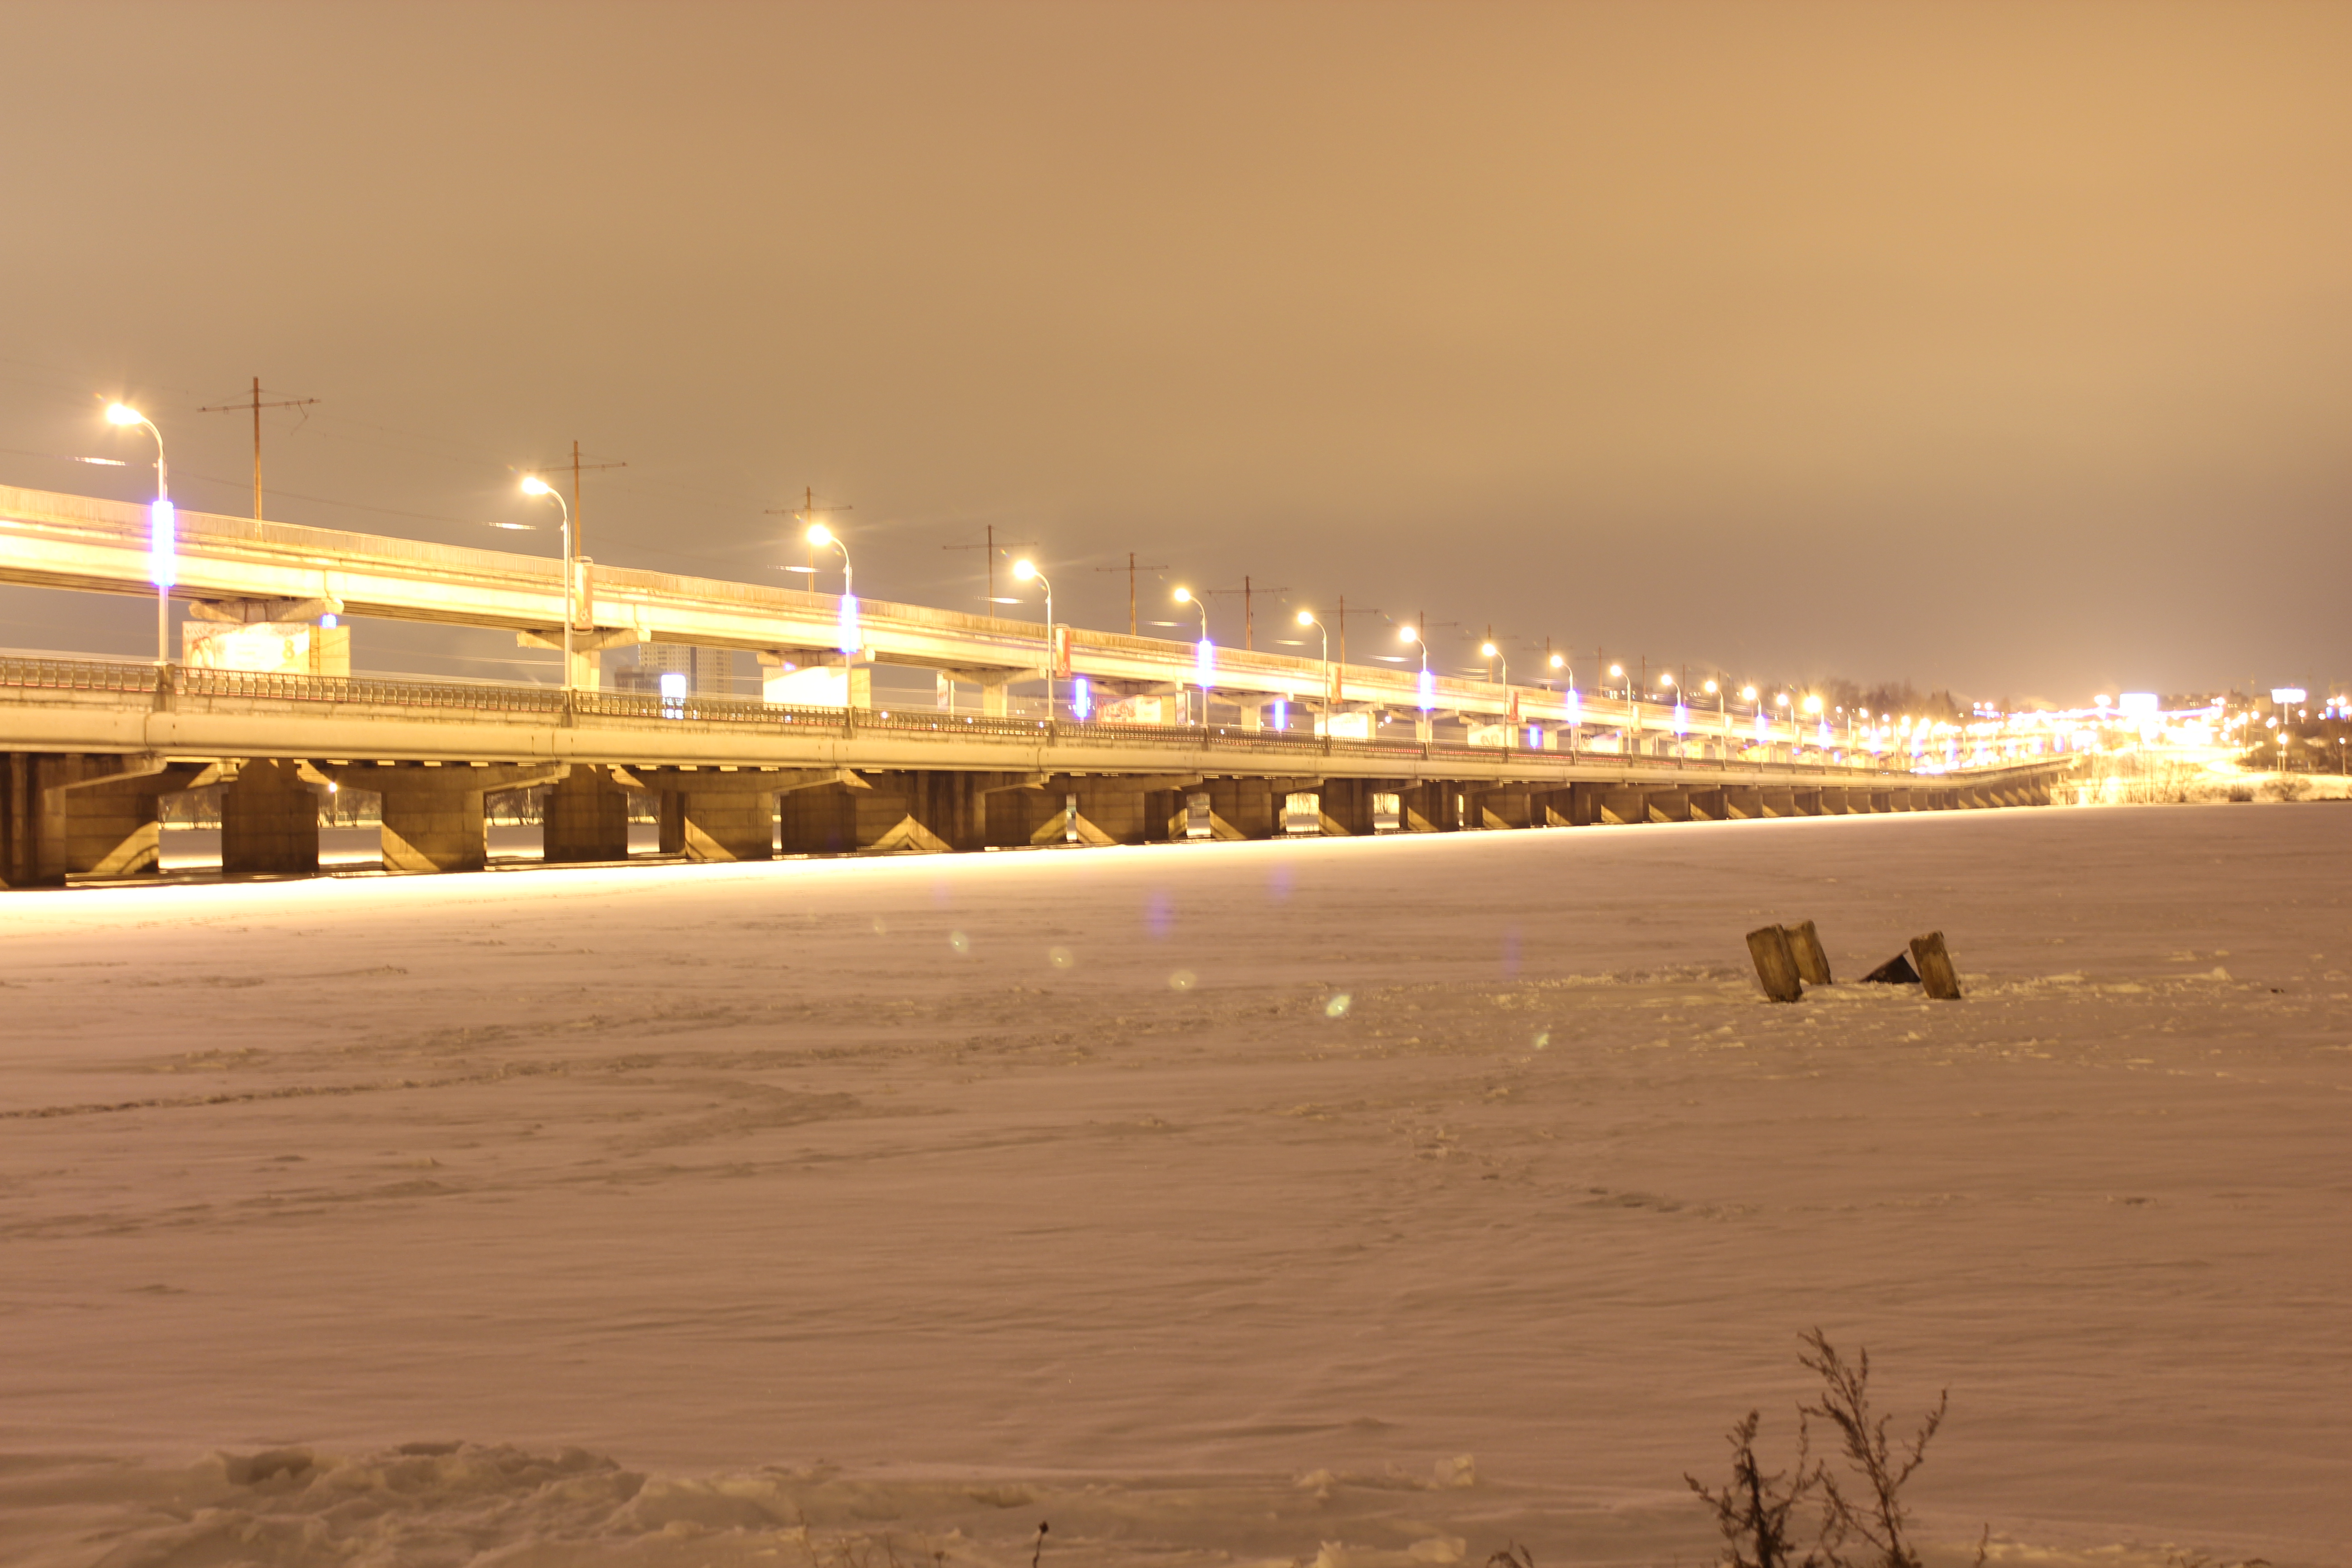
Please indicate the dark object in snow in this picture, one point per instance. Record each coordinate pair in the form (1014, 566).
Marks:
(1776, 964)
(1935, 966)
(1805, 944)
(1895, 971)
(1042, 1528)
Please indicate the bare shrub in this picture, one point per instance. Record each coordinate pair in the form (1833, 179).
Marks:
(1869, 1505)
(1861, 1521)
(1753, 1511)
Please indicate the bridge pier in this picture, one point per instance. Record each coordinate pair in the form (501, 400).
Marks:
(1167, 816)
(433, 815)
(1345, 808)
(114, 812)
(77, 814)
(1245, 808)
(586, 816)
(1619, 807)
(1671, 802)
(269, 821)
(921, 811)
(717, 815)
(1510, 806)
(1034, 812)
(1429, 807)
(1708, 805)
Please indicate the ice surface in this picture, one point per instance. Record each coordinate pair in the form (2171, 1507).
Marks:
(1370, 1201)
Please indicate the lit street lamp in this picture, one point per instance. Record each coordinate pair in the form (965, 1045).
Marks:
(1428, 689)
(1307, 618)
(163, 544)
(1490, 651)
(1025, 570)
(1204, 652)
(532, 485)
(821, 536)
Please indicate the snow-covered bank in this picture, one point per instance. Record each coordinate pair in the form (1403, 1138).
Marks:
(1208, 1201)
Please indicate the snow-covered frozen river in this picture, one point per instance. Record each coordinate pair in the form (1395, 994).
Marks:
(1212, 1202)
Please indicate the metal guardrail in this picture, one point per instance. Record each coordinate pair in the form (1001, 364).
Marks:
(166, 684)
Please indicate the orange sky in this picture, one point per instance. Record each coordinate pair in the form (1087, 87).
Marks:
(1996, 347)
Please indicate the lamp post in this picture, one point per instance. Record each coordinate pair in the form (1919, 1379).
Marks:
(162, 543)
(1026, 569)
(532, 485)
(821, 536)
(1307, 618)
(1489, 650)
(1203, 654)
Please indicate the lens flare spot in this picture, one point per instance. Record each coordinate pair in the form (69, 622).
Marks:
(1182, 980)
(1059, 957)
(1543, 1039)
(960, 943)
(1337, 1006)
(881, 926)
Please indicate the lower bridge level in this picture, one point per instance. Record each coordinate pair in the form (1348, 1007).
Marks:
(67, 814)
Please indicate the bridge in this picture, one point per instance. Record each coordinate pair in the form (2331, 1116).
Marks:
(88, 748)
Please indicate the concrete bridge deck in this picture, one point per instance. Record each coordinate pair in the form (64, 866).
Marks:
(58, 541)
(91, 748)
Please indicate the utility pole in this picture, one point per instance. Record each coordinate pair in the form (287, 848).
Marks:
(1249, 633)
(804, 517)
(1130, 569)
(257, 405)
(1344, 614)
(577, 469)
(991, 547)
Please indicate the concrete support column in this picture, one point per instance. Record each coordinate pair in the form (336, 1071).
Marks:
(1778, 802)
(1622, 807)
(1167, 815)
(1707, 805)
(432, 814)
(927, 811)
(1111, 812)
(1808, 802)
(114, 812)
(585, 818)
(1495, 809)
(269, 821)
(1345, 808)
(1428, 807)
(1245, 808)
(76, 813)
(1742, 804)
(713, 814)
(1019, 816)
(1836, 800)
(1671, 804)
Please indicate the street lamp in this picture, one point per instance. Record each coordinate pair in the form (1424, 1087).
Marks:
(821, 536)
(1025, 570)
(1413, 635)
(1307, 618)
(1616, 672)
(1489, 650)
(162, 552)
(532, 485)
(1204, 652)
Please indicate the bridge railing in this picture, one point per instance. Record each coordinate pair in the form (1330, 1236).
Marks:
(166, 683)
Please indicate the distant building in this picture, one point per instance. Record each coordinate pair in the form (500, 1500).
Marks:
(708, 671)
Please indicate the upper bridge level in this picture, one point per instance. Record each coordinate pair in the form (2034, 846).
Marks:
(91, 748)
